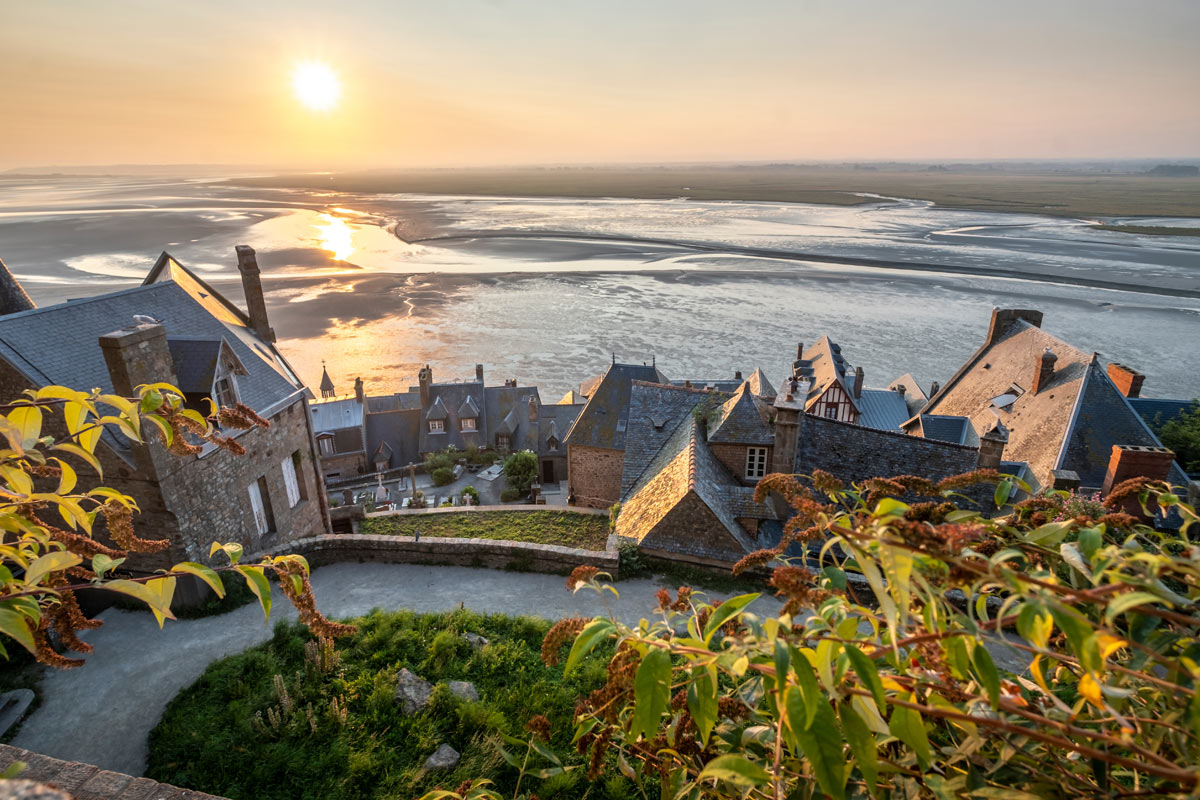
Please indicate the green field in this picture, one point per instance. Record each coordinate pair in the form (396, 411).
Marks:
(1054, 193)
(565, 528)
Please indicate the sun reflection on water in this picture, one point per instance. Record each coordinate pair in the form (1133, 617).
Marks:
(336, 236)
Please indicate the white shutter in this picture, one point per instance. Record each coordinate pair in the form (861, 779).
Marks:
(256, 504)
(289, 481)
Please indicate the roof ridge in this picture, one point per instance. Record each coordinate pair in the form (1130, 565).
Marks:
(885, 431)
(676, 388)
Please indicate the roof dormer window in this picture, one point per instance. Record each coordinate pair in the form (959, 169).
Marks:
(437, 426)
(467, 424)
(225, 391)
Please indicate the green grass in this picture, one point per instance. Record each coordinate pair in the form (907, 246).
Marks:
(1077, 194)
(566, 528)
(216, 736)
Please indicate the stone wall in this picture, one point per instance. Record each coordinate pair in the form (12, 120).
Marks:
(86, 782)
(733, 456)
(595, 475)
(338, 466)
(854, 453)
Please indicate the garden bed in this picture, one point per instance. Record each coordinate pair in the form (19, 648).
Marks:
(233, 734)
(564, 528)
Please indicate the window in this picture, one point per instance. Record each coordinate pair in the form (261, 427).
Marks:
(437, 426)
(325, 443)
(466, 424)
(226, 392)
(756, 462)
(502, 441)
(831, 411)
(260, 504)
(291, 479)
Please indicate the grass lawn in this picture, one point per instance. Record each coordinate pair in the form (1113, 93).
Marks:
(233, 733)
(566, 528)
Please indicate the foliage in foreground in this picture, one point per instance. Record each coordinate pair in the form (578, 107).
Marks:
(50, 522)
(891, 686)
(566, 528)
(339, 733)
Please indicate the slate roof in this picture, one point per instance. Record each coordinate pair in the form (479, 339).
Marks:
(655, 411)
(396, 427)
(468, 408)
(437, 410)
(603, 421)
(401, 401)
(59, 344)
(882, 409)
(945, 428)
(195, 363)
(326, 382)
(715, 384)
(1072, 423)
(742, 419)
(332, 415)
(347, 440)
(827, 366)
(1157, 411)
(760, 385)
(508, 413)
(914, 396)
(446, 401)
(555, 421)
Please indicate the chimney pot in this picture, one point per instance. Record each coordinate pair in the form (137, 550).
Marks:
(256, 305)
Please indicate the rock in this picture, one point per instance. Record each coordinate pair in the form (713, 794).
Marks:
(475, 640)
(445, 757)
(464, 690)
(412, 692)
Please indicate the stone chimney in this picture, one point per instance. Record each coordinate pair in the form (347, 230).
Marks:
(1066, 480)
(789, 410)
(858, 381)
(737, 376)
(137, 355)
(479, 373)
(425, 380)
(1128, 381)
(800, 351)
(933, 388)
(1132, 461)
(1045, 370)
(991, 447)
(359, 394)
(533, 409)
(12, 295)
(252, 286)
(1005, 318)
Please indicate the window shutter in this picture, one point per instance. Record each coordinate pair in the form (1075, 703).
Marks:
(290, 482)
(260, 514)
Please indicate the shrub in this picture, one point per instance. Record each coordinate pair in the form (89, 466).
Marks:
(509, 493)
(471, 495)
(440, 460)
(443, 476)
(634, 563)
(1182, 435)
(520, 469)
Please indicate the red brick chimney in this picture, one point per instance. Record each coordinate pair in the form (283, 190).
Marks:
(252, 286)
(1045, 370)
(1128, 381)
(1133, 461)
(1005, 318)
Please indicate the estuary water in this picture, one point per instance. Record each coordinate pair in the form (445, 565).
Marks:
(547, 290)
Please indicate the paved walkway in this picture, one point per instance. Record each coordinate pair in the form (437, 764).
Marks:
(103, 712)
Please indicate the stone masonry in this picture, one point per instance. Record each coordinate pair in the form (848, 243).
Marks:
(86, 782)
(595, 475)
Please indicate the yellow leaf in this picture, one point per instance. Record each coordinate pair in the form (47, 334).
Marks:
(88, 437)
(1089, 687)
(54, 561)
(76, 415)
(68, 479)
(164, 588)
(151, 597)
(118, 402)
(17, 479)
(82, 454)
(1109, 644)
(28, 422)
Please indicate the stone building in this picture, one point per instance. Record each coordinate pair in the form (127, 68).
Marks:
(1062, 412)
(339, 425)
(210, 348)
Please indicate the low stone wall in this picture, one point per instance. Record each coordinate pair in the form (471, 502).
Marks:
(86, 782)
(333, 548)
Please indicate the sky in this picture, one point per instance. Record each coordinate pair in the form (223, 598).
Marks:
(479, 82)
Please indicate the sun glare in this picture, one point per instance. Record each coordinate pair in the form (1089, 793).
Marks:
(316, 86)
(336, 237)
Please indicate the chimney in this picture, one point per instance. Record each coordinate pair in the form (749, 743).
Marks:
(1045, 370)
(533, 409)
(933, 388)
(1066, 480)
(358, 389)
(858, 381)
(1005, 318)
(252, 286)
(134, 356)
(479, 373)
(1133, 461)
(737, 376)
(800, 351)
(901, 389)
(12, 295)
(991, 447)
(789, 415)
(1128, 381)
(425, 380)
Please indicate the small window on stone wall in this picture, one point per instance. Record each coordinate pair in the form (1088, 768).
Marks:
(260, 504)
(756, 462)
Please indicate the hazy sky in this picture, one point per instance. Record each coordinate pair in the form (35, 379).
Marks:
(441, 82)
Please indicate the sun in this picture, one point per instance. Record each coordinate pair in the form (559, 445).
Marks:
(316, 86)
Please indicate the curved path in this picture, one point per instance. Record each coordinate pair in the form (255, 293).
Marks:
(103, 712)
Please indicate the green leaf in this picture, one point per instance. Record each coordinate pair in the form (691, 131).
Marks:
(837, 577)
(985, 670)
(726, 611)
(736, 770)
(150, 597)
(595, 632)
(702, 701)
(1049, 535)
(54, 561)
(1089, 542)
(102, 564)
(232, 549)
(821, 744)
(12, 624)
(204, 573)
(810, 691)
(907, 726)
(889, 507)
(257, 582)
(28, 422)
(868, 674)
(781, 664)
(1123, 603)
(151, 401)
(651, 693)
(862, 744)
(1003, 492)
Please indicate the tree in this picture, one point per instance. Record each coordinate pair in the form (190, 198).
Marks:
(520, 469)
(1182, 435)
(51, 434)
(880, 675)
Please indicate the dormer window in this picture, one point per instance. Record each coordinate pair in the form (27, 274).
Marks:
(325, 445)
(437, 426)
(503, 441)
(226, 391)
(552, 443)
(467, 424)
